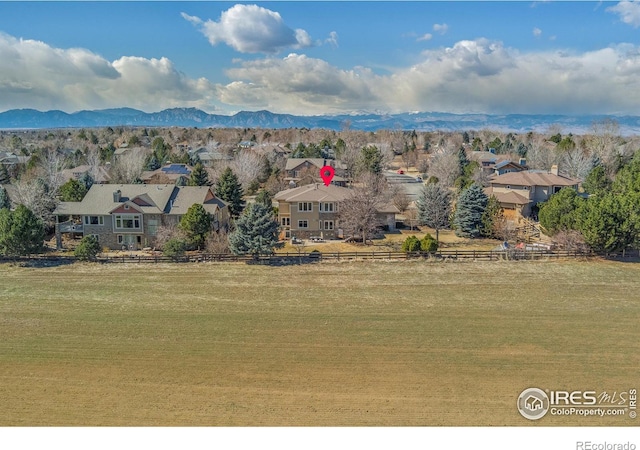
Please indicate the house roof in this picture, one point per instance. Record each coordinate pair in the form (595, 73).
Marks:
(314, 193)
(78, 171)
(292, 163)
(532, 178)
(150, 199)
(507, 197)
(507, 162)
(317, 192)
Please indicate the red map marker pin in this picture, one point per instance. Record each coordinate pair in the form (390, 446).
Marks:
(327, 173)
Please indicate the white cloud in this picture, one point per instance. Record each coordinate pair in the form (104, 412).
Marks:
(36, 75)
(251, 29)
(470, 76)
(441, 28)
(629, 12)
(537, 32)
(332, 39)
(425, 37)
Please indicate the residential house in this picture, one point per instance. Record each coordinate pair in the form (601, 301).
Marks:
(307, 170)
(312, 210)
(493, 164)
(208, 157)
(171, 173)
(128, 215)
(78, 172)
(519, 192)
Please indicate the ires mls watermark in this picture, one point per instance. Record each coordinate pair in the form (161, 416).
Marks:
(534, 403)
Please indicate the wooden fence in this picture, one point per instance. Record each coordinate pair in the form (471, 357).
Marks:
(295, 257)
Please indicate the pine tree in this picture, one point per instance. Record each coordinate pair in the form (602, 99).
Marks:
(5, 201)
(21, 232)
(196, 224)
(72, 191)
(4, 175)
(265, 198)
(372, 159)
(256, 231)
(434, 207)
(199, 176)
(463, 161)
(490, 217)
(229, 189)
(467, 220)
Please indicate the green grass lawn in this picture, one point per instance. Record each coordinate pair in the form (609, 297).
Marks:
(361, 343)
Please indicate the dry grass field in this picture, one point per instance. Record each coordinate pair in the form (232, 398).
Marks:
(360, 343)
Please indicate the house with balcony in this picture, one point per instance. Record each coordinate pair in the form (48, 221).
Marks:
(314, 210)
(519, 192)
(128, 215)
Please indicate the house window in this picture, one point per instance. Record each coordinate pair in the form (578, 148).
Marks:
(303, 224)
(328, 224)
(93, 220)
(96, 237)
(120, 239)
(556, 189)
(305, 206)
(327, 207)
(128, 221)
(296, 174)
(153, 227)
(286, 221)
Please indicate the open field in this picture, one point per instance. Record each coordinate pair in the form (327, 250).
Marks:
(385, 343)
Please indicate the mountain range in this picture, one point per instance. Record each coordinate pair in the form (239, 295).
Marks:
(419, 121)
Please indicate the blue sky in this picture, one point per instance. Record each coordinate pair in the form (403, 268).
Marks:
(323, 57)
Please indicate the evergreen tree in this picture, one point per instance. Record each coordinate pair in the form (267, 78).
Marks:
(229, 190)
(411, 244)
(199, 176)
(72, 191)
(256, 231)
(21, 232)
(428, 244)
(490, 217)
(467, 220)
(463, 161)
(87, 180)
(434, 207)
(5, 201)
(596, 181)
(560, 211)
(4, 175)
(87, 249)
(372, 159)
(265, 198)
(196, 224)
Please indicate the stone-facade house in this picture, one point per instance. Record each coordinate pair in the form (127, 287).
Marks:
(128, 215)
(519, 192)
(313, 210)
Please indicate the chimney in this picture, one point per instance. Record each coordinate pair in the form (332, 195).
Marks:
(522, 161)
(554, 169)
(116, 196)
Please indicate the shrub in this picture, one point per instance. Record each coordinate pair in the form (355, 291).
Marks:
(87, 249)
(411, 244)
(175, 248)
(428, 244)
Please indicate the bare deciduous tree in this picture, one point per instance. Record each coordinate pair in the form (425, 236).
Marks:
(445, 166)
(128, 167)
(33, 194)
(218, 242)
(358, 214)
(576, 163)
(540, 155)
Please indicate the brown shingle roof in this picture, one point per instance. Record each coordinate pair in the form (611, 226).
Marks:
(532, 178)
(314, 193)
